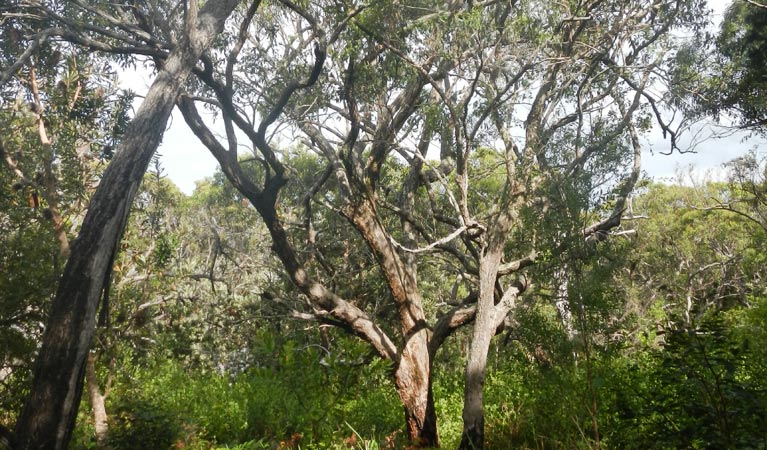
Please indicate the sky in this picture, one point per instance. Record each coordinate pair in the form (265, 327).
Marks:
(186, 161)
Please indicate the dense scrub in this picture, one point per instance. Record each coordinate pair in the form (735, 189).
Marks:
(701, 389)
(655, 354)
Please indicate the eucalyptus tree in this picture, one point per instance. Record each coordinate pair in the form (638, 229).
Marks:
(740, 44)
(401, 102)
(695, 289)
(464, 142)
(747, 179)
(61, 114)
(48, 416)
(591, 92)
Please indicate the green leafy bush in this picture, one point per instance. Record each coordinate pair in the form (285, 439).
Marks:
(697, 393)
(143, 423)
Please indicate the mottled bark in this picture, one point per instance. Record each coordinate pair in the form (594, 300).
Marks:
(413, 374)
(48, 416)
(413, 380)
(264, 200)
(412, 357)
(489, 316)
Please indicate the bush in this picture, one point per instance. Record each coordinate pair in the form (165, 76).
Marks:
(697, 393)
(143, 423)
(293, 398)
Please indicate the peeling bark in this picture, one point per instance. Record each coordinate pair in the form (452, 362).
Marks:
(413, 362)
(413, 373)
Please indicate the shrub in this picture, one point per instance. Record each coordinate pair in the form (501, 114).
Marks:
(143, 423)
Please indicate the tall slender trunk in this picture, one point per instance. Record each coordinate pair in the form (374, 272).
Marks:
(473, 436)
(49, 414)
(97, 401)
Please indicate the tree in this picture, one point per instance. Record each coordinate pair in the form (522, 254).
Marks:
(691, 257)
(734, 81)
(532, 111)
(694, 291)
(61, 113)
(748, 188)
(48, 415)
(403, 86)
(740, 44)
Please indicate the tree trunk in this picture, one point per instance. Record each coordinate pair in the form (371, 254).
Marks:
(488, 317)
(49, 414)
(6, 439)
(97, 401)
(413, 380)
(413, 374)
(473, 435)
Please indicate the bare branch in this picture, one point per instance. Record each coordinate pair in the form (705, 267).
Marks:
(431, 246)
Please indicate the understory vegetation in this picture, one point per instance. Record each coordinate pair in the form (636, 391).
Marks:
(664, 348)
(203, 368)
(702, 389)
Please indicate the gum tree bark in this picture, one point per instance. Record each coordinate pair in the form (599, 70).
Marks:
(369, 123)
(49, 414)
(413, 360)
(489, 316)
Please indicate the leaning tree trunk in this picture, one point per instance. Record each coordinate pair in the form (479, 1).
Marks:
(49, 414)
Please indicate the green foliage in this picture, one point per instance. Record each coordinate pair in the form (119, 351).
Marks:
(733, 82)
(290, 396)
(691, 257)
(546, 389)
(58, 115)
(698, 393)
(193, 284)
(553, 414)
(691, 378)
(742, 42)
(142, 423)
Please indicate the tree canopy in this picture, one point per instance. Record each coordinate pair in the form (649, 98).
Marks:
(732, 83)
